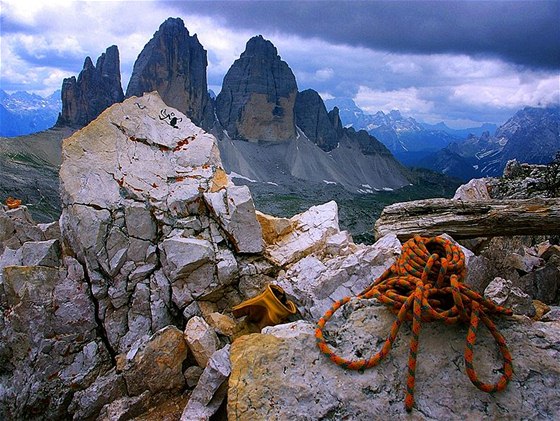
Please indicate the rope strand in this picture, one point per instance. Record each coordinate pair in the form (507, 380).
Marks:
(421, 287)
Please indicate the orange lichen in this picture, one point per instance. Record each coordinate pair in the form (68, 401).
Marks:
(13, 203)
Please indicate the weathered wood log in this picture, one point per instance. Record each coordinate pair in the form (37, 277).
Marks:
(470, 219)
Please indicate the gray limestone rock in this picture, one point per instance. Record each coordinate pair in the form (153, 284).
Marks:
(51, 230)
(189, 265)
(156, 365)
(283, 375)
(543, 284)
(87, 403)
(480, 272)
(49, 344)
(235, 211)
(201, 339)
(211, 389)
(502, 292)
(126, 215)
(192, 374)
(315, 283)
(41, 253)
(475, 189)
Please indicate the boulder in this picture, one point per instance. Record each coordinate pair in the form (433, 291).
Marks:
(315, 284)
(272, 227)
(188, 264)
(201, 339)
(41, 253)
(105, 389)
(503, 293)
(49, 343)
(480, 272)
(475, 189)
(211, 389)
(524, 263)
(543, 284)
(222, 324)
(157, 364)
(235, 212)
(311, 229)
(138, 206)
(283, 375)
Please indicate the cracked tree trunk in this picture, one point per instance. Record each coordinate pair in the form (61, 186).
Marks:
(488, 218)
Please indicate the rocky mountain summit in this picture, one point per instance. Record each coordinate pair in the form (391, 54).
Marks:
(532, 135)
(174, 63)
(123, 307)
(259, 102)
(300, 141)
(96, 88)
(258, 95)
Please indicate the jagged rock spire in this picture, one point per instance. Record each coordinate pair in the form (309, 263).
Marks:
(96, 88)
(258, 95)
(313, 119)
(174, 63)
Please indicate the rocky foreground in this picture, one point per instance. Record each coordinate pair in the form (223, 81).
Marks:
(122, 309)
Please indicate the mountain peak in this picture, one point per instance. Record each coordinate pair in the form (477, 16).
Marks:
(173, 63)
(260, 47)
(395, 115)
(96, 89)
(258, 95)
(173, 25)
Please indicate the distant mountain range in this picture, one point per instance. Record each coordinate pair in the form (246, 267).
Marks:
(23, 113)
(532, 135)
(408, 139)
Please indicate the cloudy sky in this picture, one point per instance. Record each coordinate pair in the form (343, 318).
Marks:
(463, 62)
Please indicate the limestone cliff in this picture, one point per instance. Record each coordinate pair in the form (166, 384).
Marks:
(258, 95)
(312, 118)
(96, 88)
(173, 63)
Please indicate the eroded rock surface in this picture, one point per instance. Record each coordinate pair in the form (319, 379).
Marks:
(258, 95)
(282, 374)
(135, 216)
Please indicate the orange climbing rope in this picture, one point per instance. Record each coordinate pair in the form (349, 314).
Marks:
(426, 284)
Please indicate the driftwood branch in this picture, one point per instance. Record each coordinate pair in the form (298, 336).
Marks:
(462, 219)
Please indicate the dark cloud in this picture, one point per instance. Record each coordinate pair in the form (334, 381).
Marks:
(51, 57)
(521, 32)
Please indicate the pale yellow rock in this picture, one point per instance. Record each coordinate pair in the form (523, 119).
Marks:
(260, 122)
(273, 228)
(222, 324)
(220, 180)
(311, 229)
(540, 309)
(206, 308)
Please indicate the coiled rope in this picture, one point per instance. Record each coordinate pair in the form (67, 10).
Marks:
(426, 284)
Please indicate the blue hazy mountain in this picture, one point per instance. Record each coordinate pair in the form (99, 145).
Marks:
(24, 113)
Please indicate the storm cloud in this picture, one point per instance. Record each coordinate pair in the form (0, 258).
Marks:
(464, 62)
(521, 32)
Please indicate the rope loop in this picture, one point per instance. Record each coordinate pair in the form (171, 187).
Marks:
(426, 284)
